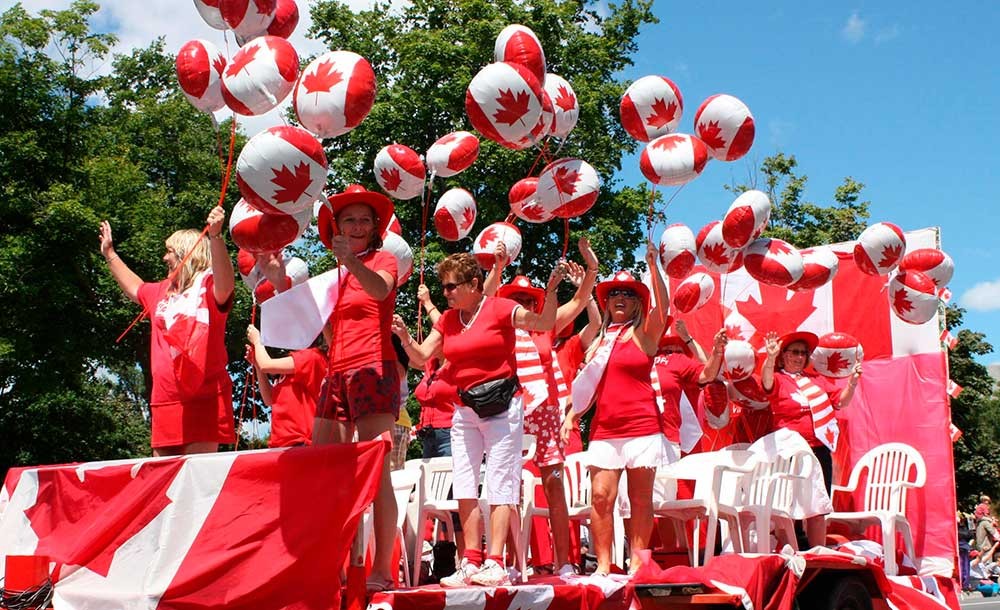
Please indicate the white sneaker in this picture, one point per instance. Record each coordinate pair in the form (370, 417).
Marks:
(462, 576)
(567, 570)
(492, 574)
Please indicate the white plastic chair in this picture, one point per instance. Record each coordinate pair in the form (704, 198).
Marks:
(433, 487)
(403, 483)
(893, 469)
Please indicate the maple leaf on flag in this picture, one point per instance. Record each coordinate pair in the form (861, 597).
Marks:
(830, 437)
(734, 332)
(292, 184)
(565, 180)
(390, 178)
(900, 303)
(717, 253)
(711, 135)
(836, 363)
(244, 57)
(468, 217)
(663, 113)
(219, 64)
(890, 254)
(527, 397)
(737, 372)
(323, 79)
(565, 99)
(512, 107)
(778, 308)
(668, 142)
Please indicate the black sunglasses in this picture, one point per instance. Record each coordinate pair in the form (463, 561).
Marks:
(451, 286)
(622, 292)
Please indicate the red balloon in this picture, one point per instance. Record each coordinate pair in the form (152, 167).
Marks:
(286, 18)
(199, 67)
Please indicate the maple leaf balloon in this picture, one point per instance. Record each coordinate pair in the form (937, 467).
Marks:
(726, 126)
(651, 107)
(879, 248)
(677, 251)
(713, 251)
(694, 292)
(565, 105)
(568, 188)
(738, 361)
(455, 214)
(199, 68)
(674, 159)
(819, 266)
(503, 102)
(746, 218)
(662, 114)
(335, 92)
(519, 45)
(281, 170)
(248, 19)
(913, 297)
(209, 11)
(933, 262)
(286, 18)
(260, 76)
(400, 171)
(291, 182)
(512, 107)
(324, 78)
(484, 247)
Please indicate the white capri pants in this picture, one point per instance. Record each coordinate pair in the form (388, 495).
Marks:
(504, 435)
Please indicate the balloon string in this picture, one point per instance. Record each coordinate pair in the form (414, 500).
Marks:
(565, 237)
(423, 247)
(541, 155)
(222, 197)
(649, 213)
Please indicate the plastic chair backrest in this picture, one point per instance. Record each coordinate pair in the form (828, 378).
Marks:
(576, 479)
(766, 474)
(437, 478)
(403, 483)
(887, 466)
(529, 444)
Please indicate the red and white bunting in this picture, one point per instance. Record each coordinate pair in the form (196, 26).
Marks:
(335, 93)
(199, 66)
(399, 171)
(455, 214)
(282, 170)
(726, 126)
(949, 339)
(673, 160)
(260, 75)
(651, 107)
(954, 389)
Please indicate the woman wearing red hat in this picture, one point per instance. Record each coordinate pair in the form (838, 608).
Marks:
(362, 384)
(805, 402)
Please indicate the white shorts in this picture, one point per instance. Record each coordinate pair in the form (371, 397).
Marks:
(662, 490)
(503, 435)
(637, 452)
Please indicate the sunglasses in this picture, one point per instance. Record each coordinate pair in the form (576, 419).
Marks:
(797, 352)
(622, 292)
(451, 286)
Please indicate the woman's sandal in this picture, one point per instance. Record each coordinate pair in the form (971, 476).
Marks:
(375, 584)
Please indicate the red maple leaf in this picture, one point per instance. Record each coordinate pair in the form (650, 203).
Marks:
(390, 178)
(711, 135)
(718, 254)
(323, 79)
(512, 107)
(565, 180)
(736, 372)
(829, 435)
(836, 363)
(468, 217)
(663, 113)
(500, 598)
(734, 332)
(244, 57)
(565, 99)
(527, 397)
(486, 237)
(780, 310)
(780, 247)
(667, 142)
(900, 303)
(292, 184)
(890, 254)
(219, 64)
(533, 211)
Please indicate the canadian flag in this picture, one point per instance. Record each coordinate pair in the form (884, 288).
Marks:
(955, 432)
(184, 318)
(954, 389)
(949, 339)
(257, 529)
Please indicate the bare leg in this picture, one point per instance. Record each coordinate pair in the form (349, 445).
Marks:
(499, 526)
(555, 496)
(331, 431)
(200, 448)
(640, 496)
(603, 493)
(816, 530)
(370, 427)
(470, 516)
(168, 451)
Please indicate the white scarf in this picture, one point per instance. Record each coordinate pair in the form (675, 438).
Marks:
(586, 382)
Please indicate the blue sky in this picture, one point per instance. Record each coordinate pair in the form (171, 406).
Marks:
(900, 96)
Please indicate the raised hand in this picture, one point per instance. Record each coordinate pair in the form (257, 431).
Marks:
(423, 294)
(107, 242)
(500, 254)
(575, 273)
(773, 345)
(589, 258)
(398, 326)
(214, 221)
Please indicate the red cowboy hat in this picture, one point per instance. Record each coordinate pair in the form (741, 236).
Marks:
(808, 338)
(355, 193)
(669, 338)
(622, 279)
(522, 285)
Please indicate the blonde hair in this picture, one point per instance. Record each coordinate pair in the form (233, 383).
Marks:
(182, 242)
(637, 320)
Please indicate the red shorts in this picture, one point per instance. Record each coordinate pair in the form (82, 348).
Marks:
(207, 419)
(544, 422)
(366, 390)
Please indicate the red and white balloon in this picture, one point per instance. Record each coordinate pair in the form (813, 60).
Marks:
(651, 107)
(296, 272)
(282, 170)
(836, 354)
(678, 250)
(400, 172)
(260, 76)
(568, 187)
(452, 153)
(819, 266)
(397, 246)
(484, 248)
(739, 360)
(726, 126)
(518, 44)
(455, 214)
(715, 397)
(913, 297)
(248, 18)
(933, 262)
(714, 253)
(542, 128)
(246, 266)
(335, 93)
(199, 67)
(209, 11)
(674, 159)
(694, 292)
(286, 18)
(503, 102)
(879, 249)
(524, 202)
(746, 219)
(564, 104)
(257, 232)
(748, 394)
(773, 262)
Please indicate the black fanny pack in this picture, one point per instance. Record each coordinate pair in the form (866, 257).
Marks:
(490, 398)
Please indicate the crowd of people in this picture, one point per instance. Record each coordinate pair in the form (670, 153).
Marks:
(631, 363)
(978, 542)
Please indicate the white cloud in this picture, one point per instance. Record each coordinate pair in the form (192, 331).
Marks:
(984, 296)
(887, 34)
(779, 131)
(854, 30)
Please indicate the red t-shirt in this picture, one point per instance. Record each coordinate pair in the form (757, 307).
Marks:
(485, 350)
(361, 325)
(677, 373)
(626, 405)
(570, 356)
(208, 350)
(789, 409)
(293, 399)
(437, 397)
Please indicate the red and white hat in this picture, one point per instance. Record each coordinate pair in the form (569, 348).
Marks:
(739, 360)
(622, 280)
(326, 218)
(209, 11)
(484, 248)
(256, 232)
(748, 394)
(524, 203)
(281, 170)
(819, 266)
(399, 171)
(726, 126)
(335, 93)
(248, 18)
(394, 244)
(651, 107)
(810, 339)
(564, 104)
(694, 292)
(836, 354)
(880, 248)
(518, 44)
(715, 397)
(452, 153)
(199, 68)
(286, 18)
(455, 214)
(935, 263)
(260, 75)
(713, 251)
(677, 251)
(773, 262)
(746, 219)
(568, 187)
(503, 102)
(674, 159)
(522, 285)
(913, 297)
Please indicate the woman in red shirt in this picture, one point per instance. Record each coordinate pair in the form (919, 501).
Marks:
(362, 383)
(192, 398)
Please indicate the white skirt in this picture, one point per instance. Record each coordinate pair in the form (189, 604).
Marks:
(649, 451)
